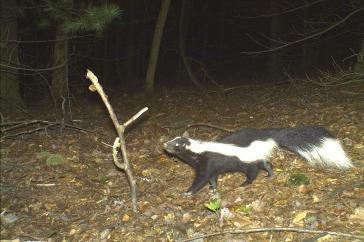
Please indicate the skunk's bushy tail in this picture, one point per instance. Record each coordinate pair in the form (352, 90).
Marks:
(316, 144)
(328, 153)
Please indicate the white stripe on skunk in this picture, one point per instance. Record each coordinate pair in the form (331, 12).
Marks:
(257, 150)
(329, 153)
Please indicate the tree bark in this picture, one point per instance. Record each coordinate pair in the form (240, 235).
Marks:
(359, 65)
(305, 45)
(154, 52)
(181, 43)
(131, 45)
(275, 29)
(60, 60)
(9, 79)
(105, 63)
(60, 57)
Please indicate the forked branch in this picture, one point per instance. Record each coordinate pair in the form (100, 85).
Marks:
(120, 128)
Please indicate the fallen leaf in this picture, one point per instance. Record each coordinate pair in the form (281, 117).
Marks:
(316, 199)
(357, 216)
(303, 189)
(299, 217)
(125, 218)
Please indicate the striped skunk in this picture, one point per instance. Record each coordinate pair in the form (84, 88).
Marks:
(248, 151)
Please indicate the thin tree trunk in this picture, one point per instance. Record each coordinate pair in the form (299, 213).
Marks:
(60, 75)
(131, 45)
(359, 65)
(105, 63)
(154, 52)
(206, 30)
(9, 79)
(118, 65)
(182, 46)
(275, 29)
(305, 43)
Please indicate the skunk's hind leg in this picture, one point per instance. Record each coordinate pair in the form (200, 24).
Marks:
(251, 173)
(213, 183)
(267, 166)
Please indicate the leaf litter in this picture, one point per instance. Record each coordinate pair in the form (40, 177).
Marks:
(85, 198)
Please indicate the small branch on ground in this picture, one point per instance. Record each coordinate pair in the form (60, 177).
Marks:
(229, 89)
(199, 125)
(278, 229)
(14, 129)
(341, 78)
(202, 69)
(120, 141)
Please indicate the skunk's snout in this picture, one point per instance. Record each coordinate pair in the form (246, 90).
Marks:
(167, 147)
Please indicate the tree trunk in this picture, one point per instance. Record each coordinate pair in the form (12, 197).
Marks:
(181, 42)
(206, 32)
(60, 74)
(305, 45)
(131, 45)
(105, 63)
(9, 79)
(275, 29)
(154, 52)
(359, 65)
(60, 62)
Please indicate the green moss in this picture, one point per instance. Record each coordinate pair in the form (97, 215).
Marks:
(298, 179)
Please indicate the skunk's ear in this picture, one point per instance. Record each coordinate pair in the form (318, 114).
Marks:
(185, 134)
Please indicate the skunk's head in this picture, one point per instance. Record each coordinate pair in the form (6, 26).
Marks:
(177, 145)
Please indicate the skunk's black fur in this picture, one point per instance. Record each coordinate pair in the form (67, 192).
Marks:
(248, 150)
(208, 165)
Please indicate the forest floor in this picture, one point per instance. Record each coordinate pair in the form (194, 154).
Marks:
(83, 197)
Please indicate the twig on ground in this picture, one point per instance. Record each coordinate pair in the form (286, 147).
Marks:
(340, 79)
(8, 128)
(228, 89)
(204, 71)
(277, 229)
(198, 125)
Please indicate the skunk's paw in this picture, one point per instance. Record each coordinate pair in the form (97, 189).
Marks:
(246, 183)
(187, 194)
(212, 190)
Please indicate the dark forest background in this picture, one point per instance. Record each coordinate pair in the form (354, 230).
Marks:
(46, 46)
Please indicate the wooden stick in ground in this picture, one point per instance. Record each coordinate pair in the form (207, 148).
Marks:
(120, 128)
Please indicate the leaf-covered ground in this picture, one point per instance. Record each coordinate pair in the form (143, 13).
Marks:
(65, 186)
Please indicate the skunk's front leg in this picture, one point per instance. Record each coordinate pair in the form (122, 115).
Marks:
(200, 181)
